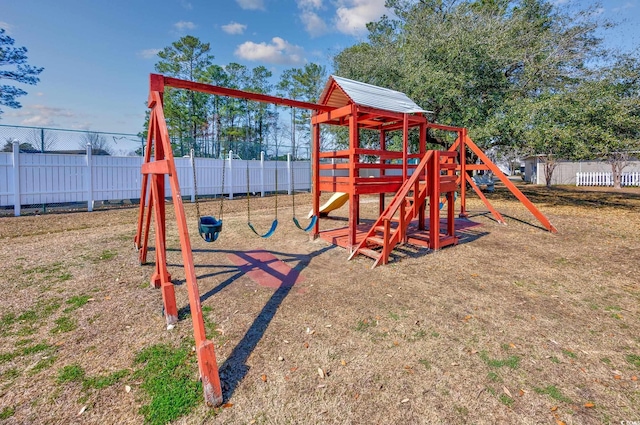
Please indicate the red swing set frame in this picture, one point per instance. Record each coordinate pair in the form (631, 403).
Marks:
(441, 172)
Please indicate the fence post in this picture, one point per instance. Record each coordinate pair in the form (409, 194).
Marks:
(193, 175)
(89, 178)
(16, 178)
(262, 174)
(289, 186)
(230, 179)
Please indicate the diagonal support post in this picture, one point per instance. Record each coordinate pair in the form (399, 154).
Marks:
(155, 171)
(517, 193)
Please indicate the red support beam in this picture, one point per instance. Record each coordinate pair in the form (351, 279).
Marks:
(240, 94)
(405, 146)
(332, 115)
(155, 170)
(462, 137)
(484, 199)
(414, 119)
(353, 158)
(315, 177)
(143, 192)
(383, 148)
(433, 182)
(444, 127)
(500, 175)
(422, 142)
(142, 253)
(156, 167)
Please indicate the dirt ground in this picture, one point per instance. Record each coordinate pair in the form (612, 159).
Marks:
(513, 325)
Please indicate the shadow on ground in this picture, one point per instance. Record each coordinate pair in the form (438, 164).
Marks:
(235, 367)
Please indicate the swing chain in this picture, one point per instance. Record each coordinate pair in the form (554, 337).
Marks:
(293, 147)
(276, 178)
(248, 196)
(195, 187)
(222, 189)
(195, 183)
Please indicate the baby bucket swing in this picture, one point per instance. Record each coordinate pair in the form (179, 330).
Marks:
(209, 227)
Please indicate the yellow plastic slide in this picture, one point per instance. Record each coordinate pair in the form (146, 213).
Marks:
(337, 200)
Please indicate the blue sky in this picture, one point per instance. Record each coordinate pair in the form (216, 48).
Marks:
(98, 55)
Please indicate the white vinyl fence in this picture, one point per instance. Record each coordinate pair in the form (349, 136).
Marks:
(606, 179)
(40, 179)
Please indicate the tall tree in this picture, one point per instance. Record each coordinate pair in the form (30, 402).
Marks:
(259, 82)
(304, 84)
(609, 119)
(216, 75)
(186, 111)
(15, 58)
(470, 61)
(235, 131)
(548, 130)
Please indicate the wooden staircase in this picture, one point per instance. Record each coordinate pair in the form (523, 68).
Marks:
(409, 203)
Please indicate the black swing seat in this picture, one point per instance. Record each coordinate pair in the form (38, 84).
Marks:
(209, 228)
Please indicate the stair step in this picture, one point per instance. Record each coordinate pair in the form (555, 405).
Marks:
(369, 253)
(448, 240)
(418, 240)
(375, 240)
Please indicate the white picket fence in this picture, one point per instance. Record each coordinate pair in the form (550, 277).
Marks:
(39, 179)
(606, 179)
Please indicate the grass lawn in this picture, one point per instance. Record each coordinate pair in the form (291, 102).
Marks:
(513, 325)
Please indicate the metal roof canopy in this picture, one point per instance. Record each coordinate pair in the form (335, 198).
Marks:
(352, 91)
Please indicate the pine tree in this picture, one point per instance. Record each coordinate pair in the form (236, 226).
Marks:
(19, 71)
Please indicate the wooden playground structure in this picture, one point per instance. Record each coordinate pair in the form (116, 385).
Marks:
(416, 180)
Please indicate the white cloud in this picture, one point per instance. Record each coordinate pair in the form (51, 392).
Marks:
(251, 4)
(7, 27)
(627, 5)
(313, 24)
(234, 28)
(148, 53)
(41, 115)
(278, 51)
(81, 126)
(184, 25)
(186, 4)
(352, 16)
(309, 4)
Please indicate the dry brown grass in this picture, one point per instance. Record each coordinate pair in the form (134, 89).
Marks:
(489, 331)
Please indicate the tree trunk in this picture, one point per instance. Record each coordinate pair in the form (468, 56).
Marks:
(549, 167)
(618, 161)
(616, 170)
